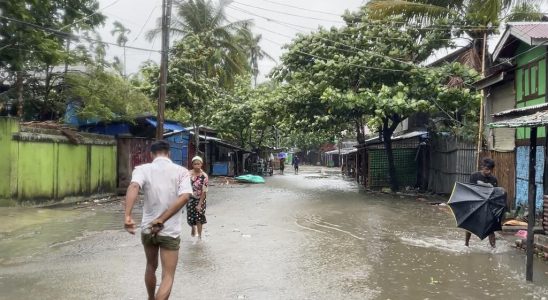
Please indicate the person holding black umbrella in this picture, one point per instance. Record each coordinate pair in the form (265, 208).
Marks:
(483, 177)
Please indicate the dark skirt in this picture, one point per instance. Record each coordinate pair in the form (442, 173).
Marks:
(192, 215)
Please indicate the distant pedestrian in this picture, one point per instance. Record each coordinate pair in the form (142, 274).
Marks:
(483, 177)
(166, 188)
(296, 162)
(196, 207)
(282, 165)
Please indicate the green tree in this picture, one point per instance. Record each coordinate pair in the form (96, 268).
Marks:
(475, 18)
(106, 96)
(32, 35)
(362, 74)
(122, 39)
(190, 86)
(254, 51)
(206, 20)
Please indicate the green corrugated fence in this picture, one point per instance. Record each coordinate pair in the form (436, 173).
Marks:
(43, 164)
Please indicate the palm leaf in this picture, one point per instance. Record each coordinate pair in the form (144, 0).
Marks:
(423, 12)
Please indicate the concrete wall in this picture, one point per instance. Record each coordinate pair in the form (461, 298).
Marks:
(46, 166)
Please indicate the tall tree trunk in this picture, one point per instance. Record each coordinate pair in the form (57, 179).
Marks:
(387, 132)
(19, 88)
(360, 136)
(260, 142)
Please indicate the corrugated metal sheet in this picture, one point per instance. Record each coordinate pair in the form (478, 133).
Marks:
(179, 147)
(532, 30)
(451, 160)
(521, 111)
(534, 120)
(522, 175)
(131, 153)
(500, 99)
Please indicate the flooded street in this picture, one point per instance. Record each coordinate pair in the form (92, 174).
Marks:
(296, 237)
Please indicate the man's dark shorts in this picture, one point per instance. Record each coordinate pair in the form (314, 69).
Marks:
(164, 242)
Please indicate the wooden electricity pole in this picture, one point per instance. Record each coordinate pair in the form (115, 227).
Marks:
(532, 194)
(482, 102)
(166, 20)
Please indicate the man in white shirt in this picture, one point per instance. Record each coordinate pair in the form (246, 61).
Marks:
(167, 188)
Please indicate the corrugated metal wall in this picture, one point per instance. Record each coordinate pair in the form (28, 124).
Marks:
(45, 166)
(522, 175)
(131, 153)
(451, 160)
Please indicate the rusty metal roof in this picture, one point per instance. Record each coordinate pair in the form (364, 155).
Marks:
(522, 111)
(532, 116)
(537, 119)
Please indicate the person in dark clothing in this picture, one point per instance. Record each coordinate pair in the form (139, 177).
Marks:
(484, 177)
(295, 163)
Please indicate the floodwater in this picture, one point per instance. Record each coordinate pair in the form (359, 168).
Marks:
(296, 237)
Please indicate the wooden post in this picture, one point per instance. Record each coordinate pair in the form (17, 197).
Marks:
(166, 20)
(482, 102)
(532, 205)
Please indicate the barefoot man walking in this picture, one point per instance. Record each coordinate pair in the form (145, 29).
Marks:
(166, 188)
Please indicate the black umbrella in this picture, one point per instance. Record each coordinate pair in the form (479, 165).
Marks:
(478, 208)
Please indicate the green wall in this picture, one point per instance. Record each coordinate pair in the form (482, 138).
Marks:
(38, 168)
(7, 127)
(530, 71)
(406, 167)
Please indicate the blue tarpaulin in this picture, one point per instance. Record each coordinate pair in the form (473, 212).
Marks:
(168, 125)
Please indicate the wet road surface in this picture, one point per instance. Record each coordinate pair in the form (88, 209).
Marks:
(296, 237)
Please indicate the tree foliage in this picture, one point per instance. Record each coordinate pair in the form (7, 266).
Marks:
(205, 20)
(362, 74)
(33, 38)
(106, 96)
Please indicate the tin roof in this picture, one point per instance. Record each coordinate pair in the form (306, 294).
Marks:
(409, 135)
(532, 116)
(540, 118)
(531, 33)
(522, 111)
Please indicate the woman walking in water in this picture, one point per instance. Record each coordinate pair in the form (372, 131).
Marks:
(196, 207)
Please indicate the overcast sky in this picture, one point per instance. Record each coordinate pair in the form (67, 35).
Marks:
(272, 19)
(276, 20)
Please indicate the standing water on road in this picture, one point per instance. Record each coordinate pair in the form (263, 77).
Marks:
(295, 237)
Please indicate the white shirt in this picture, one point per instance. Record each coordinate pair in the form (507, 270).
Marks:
(162, 182)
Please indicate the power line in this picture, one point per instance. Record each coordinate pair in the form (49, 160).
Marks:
(287, 14)
(349, 46)
(287, 24)
(302, 8)
(145, 24)
(326, 59)
(522, 53)
(90, 15)
(66, 35)
(431, 27)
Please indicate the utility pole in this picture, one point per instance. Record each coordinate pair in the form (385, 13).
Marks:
(166, 20)
(482, 103)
